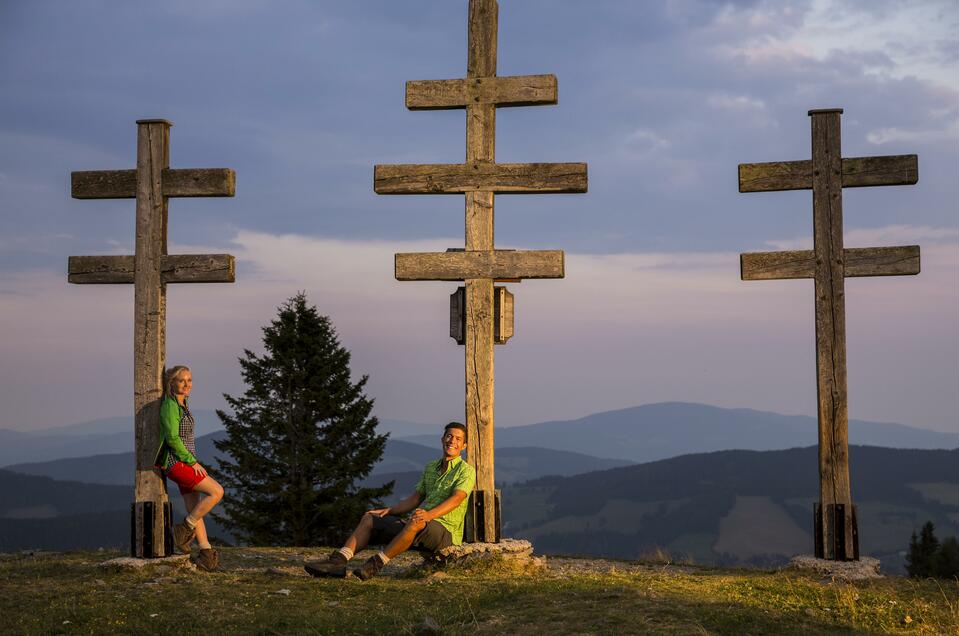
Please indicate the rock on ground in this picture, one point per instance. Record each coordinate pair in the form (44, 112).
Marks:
(512, 549)
(163, 564)
(864, 568)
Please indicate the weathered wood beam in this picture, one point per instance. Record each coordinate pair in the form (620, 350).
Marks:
(857, 172)
(184, 182)
(859, 262)
(502, 178)
(494, 264)
(179, 268)
(517, 90)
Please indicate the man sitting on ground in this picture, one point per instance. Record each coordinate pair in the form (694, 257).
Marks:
(438, 505)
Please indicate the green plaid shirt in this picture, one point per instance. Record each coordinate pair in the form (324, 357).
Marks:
(437, 488)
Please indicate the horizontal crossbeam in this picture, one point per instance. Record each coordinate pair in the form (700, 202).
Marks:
(179, 268)
(863, 261)
(457, 178)
(495, 264)
(857, 172)
(520, 90)
(122, 184)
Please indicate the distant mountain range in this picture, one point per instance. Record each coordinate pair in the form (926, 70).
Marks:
(726, 507)
(669, 429)
(635, 435)
(512, 464)
(115, 435)
(735, 507)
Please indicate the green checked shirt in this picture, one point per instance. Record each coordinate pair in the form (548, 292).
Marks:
(437, 488)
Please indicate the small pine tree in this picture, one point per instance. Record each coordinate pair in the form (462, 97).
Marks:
(299, 437)
(921, 562)
(947, 565)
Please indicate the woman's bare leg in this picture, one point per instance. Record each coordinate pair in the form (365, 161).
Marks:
(191, 499)
(213, 492)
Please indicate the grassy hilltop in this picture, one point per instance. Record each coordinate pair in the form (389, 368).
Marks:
(265, 591)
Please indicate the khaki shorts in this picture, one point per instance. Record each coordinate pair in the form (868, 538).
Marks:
(433, 537)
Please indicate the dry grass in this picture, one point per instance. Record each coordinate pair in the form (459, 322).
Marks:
(69, 594)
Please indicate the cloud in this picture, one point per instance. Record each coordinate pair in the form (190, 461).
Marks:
(621, 329)
(890, 235)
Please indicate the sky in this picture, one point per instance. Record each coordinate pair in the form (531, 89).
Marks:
(662, 98)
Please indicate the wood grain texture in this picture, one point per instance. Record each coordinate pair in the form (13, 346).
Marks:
(857, 172)
(478, 353)
(516, 90)
(502, 315)
(456, 266)
(890, 170)
(501, 178)
(859, 262)
(149, 315)
(179, 268)
(830, 319)
(184, 182)
(480, 387)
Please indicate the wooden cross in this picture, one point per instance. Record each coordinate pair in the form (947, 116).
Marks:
(480, 265)
(150, 269)
(829, 263)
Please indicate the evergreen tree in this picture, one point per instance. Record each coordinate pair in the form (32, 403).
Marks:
(923, 554)
(299, 437)
(947, 565)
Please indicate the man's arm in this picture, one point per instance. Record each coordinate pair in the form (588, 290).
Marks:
(448, 504)
(410, 503)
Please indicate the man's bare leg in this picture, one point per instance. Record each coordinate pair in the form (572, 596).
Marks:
(402, 542)
(361, 535)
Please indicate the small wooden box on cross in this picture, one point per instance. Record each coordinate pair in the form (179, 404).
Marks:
(150, 268)
(829, 263)
(480, 178)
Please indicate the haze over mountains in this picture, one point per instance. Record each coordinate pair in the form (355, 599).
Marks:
(732, 486)
(638, 434)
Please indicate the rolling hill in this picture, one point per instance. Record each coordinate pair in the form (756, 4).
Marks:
(658, 431)
(735, 507)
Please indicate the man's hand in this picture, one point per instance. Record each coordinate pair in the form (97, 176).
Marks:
(199, 470)
(421, 516)
(379, 512)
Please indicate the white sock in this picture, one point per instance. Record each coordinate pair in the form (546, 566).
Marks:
(383, 558)
(190, 521)
(204, 545)
(346, 552)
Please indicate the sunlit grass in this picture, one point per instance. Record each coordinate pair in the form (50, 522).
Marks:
(69, 594)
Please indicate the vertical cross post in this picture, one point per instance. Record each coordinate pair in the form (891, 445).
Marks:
(150, 269)
(481, 148)
(480, 178)
(836, 532)
(149, 318)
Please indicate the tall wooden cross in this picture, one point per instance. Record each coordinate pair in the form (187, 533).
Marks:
(828, 264)
(150, 269)
(480, 178)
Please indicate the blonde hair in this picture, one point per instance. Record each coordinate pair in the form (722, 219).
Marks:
(169, 377)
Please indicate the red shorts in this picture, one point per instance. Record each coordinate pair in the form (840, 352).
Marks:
(183, 476)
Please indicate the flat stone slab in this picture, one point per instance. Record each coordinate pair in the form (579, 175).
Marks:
(163, 564)
(863, 569)
(518, 549)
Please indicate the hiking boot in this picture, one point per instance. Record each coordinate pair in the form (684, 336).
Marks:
(183, 536)
(369, 569)
(208, 559)
(334, 566)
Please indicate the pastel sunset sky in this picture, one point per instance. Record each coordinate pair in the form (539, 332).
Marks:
(662, 98)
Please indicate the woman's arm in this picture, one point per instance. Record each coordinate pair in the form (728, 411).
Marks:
(170, 426)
